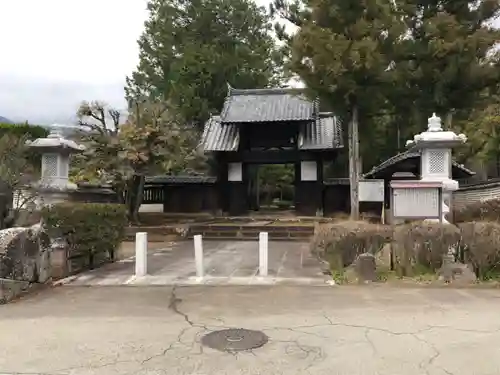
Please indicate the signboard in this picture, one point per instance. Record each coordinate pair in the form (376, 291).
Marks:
(416, 200)
(371, 191)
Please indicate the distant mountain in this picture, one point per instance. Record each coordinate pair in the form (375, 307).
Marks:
(4, 120)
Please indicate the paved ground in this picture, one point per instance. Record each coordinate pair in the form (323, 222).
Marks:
(331, 330)
(226, 262)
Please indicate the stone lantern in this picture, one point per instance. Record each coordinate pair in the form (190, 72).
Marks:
(435, 162)
(56, 151)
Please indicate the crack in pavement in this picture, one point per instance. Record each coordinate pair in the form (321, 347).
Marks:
(68, 370)
(314, 354)
(169, 348)
(174, 306)
(424, 365)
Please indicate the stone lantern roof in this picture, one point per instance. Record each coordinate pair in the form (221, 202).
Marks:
(56, 142)
(435, 136)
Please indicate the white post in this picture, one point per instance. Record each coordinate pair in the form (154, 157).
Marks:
(263, 246)
(198, 255)
(141, 254)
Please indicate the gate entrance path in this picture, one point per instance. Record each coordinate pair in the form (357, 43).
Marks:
(225, 262)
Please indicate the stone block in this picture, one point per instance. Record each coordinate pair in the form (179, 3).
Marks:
(366, 268)
(59, 260)
(456, 273)
(384, 257)
(25, 254)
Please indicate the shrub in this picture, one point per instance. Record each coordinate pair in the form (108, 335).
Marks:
(340, 243)
(488, 210)
(92, 230)
(423, 244)
(480, 247)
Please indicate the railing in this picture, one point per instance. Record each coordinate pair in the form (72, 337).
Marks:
(153, 194)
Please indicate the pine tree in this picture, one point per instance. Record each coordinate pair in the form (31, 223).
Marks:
(342, 51)
(444, 62)
(191, 49)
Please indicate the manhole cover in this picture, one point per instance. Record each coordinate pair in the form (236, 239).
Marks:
(234, 339)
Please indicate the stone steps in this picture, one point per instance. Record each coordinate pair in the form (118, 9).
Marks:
(158, 233)
(251, 232)
(223, 232)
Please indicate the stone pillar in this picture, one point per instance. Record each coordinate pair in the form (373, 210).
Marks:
(435, 163)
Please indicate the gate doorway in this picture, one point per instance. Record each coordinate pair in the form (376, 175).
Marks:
(272, 187)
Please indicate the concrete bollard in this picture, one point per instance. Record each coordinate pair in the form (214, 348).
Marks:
(198, 255)
(263, 253)
(141, 254)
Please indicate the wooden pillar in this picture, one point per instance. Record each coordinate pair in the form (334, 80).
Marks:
(222, 184)
(297, 190)
(320, 188)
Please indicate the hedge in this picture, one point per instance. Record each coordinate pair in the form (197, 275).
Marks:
(341, 243)
(480, 247)
(424, 244)
(419, 244)
(32, 131)
(93, 230)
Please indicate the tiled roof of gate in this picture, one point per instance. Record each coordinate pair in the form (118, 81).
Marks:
(411, 154)
(324, 133)
(318, 131)
(220, 137)
(267, 105)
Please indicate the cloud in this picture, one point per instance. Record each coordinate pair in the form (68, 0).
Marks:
(44, 101)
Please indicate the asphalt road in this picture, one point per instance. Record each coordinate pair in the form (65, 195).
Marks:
(312, 330)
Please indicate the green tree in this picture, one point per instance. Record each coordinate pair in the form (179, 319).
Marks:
(16, 172)
(191, 49)
(445, 60)
(275, 178)
(343, 51)
(482, 127)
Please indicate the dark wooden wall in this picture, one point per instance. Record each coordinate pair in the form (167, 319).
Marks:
(191, 198)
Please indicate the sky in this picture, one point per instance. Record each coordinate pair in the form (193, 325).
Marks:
(56, 53)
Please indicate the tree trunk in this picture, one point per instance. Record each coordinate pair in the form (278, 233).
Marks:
(353, 136)
(129, 197)
(448, 120)
(139, 193)
(135, 189)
